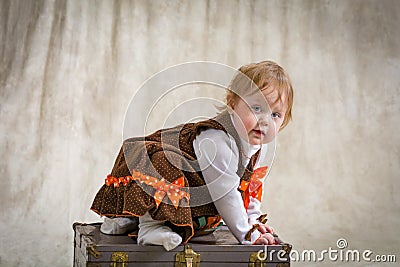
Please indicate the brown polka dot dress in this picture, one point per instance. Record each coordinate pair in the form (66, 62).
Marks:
(157, 173)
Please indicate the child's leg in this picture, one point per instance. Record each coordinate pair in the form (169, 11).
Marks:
(119, 225)
(152, 232)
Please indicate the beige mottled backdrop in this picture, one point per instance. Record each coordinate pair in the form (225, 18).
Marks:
(69, 68)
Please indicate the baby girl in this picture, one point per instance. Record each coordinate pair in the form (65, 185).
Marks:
(181, 182)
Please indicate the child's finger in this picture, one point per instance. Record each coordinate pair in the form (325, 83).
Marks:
(262, 229)
(262, 241)
(270, 238)
(269, 229)
(265, 239)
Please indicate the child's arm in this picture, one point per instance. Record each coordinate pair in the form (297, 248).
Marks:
(218, 155)
(254, 210)
(254, 213)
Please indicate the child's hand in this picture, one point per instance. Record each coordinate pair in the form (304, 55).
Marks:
(266, 237)
(263, 228)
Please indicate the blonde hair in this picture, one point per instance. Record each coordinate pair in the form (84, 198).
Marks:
(263, 75)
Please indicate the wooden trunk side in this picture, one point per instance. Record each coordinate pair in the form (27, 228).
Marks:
(93, 248)
(171, 264)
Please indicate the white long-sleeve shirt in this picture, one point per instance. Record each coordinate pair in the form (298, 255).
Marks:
(218, 157)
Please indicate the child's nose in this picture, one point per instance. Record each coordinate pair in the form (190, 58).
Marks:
(264, 120)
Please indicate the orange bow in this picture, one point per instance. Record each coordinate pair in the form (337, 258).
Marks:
(253, 188)
(116, 181)
(172, 190)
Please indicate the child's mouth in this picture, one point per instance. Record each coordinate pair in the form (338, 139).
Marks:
(258, 133)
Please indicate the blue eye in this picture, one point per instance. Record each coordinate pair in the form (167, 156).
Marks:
(275, 115)
(256, 108)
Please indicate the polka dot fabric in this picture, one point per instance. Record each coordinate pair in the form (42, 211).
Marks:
(166, 154)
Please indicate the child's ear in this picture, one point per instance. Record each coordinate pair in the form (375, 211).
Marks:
(230, 103)
(230, 106)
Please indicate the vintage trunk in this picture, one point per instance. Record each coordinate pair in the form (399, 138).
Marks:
(93, 248)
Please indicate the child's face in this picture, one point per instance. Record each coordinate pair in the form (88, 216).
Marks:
(259, 117)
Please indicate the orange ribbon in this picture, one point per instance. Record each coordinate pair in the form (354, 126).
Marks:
(116, 181)
(172, 190)
(163, 188)
(253, 188)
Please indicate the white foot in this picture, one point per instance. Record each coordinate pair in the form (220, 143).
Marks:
(118, 226)
(152, 232)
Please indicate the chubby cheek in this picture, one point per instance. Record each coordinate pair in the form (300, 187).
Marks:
(272, 133)
(250, 123)
(247, 120)
(269, 137)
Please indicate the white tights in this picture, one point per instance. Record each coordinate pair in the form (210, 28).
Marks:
(152, 232)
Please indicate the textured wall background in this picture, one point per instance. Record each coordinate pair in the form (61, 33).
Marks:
(69, 68)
